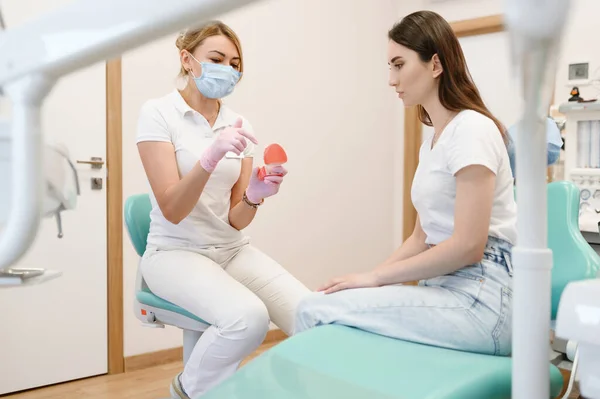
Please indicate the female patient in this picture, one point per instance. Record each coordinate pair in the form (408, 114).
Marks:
(197, 154)
(460, 249)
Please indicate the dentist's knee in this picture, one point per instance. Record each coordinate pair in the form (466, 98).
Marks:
(246, 325)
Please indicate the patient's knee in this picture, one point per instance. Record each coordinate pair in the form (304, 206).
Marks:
(310, 312)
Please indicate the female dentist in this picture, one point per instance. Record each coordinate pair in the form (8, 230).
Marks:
(460, 249)
(197, 154)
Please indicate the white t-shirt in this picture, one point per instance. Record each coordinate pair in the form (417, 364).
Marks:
(170, 119)
(469, 139)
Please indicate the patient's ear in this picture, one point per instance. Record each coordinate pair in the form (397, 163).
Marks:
(437, 66)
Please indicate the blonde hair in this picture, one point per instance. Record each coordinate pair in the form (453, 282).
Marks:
(190, 39)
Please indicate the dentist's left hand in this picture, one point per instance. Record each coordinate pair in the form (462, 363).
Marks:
(258, 190)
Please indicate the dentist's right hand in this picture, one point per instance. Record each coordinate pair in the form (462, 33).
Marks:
(232, 139)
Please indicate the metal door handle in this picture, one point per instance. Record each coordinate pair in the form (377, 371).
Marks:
(95, 162)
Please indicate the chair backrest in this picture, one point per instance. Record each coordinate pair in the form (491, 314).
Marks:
(573, 258)
(137, 220)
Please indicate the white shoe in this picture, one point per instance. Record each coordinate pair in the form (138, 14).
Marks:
(176, 388)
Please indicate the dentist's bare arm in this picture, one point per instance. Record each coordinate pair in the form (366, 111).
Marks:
(176, 196)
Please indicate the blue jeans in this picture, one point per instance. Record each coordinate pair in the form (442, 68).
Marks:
(469, 310)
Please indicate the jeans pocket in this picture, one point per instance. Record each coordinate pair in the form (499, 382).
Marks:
(465, 287)
(502, 333)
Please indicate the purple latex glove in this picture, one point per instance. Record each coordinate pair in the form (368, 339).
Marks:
(258, 190)
(232, 138)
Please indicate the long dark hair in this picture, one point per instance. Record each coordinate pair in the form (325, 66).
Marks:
(427, 33)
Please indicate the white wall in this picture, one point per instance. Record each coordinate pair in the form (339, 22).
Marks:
(315, 82)
(581, 43)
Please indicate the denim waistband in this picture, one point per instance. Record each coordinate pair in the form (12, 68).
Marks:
(499, 251)
(496, 243)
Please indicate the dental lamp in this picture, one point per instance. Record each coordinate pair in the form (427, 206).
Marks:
(33, 57)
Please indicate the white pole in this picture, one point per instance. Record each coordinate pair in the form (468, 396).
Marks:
(535, 28)
(533, 262)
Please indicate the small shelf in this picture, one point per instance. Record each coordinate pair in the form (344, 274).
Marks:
(573, 106)
(585, 172)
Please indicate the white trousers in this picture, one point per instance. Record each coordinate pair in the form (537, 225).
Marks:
(237, 290)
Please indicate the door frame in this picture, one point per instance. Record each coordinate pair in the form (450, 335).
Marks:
(114, 216)
(413, 128)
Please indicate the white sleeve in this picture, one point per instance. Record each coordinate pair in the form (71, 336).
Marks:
(152, 125)
(250, 146)
(476, 142)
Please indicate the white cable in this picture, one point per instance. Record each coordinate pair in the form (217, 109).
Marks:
(573, 375)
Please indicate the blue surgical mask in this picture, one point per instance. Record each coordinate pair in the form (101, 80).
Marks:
(216, 80)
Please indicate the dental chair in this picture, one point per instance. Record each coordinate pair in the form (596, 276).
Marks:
(151, 310)
(335, 361)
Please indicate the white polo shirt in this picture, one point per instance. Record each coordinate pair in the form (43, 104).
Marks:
(170, 119)
(469, 139)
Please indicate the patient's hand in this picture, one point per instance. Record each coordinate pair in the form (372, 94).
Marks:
(356, 280)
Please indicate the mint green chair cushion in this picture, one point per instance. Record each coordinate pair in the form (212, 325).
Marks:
(341, 362)
(137, 219)
(148, 298)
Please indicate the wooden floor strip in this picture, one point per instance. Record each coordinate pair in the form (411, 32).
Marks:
(144, 383)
